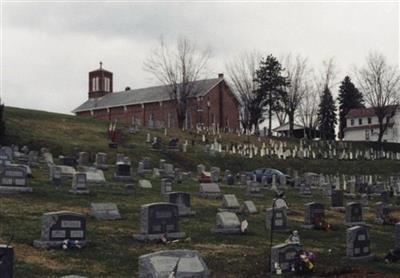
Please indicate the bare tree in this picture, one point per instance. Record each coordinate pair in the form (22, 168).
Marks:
(380, 84)
(297, 73)
(242, 72)
(178, 68)
(308, 108)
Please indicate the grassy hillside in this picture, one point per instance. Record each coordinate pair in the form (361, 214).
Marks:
(113, 252)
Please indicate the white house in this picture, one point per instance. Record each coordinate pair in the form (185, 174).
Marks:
(362, 125)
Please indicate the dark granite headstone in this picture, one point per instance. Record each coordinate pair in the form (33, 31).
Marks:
(358, 244)
(6, 261)
(284, 256)
(354, 214)
(314, 215)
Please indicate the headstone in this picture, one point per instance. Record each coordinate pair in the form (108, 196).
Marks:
(305, 190)
(230, 179)
(284, 257)
(95, 176)
(104, 211)
(277, 218)
(249, 207)
(166, 185)
(158, 220)
(13, 179)
(33, 158)
(182, 200)
(358, 244)
(314, 216)
(253, 189)
(6, 261)
(79, 184)
(123, 171)
(101, 161)
(68, 161)
(354, 214)
(83, 159)
(145, 184)
(55, 175)
(67, 172)
(227, 223)
(381, 212)
(230, 203)
(210, 191)
(59, 226)
(337, 199)
(173, 263)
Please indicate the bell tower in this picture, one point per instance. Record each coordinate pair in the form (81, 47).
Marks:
(100, 82)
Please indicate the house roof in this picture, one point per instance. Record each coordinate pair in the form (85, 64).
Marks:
(144, 95)
(285, 127)
(365, 112)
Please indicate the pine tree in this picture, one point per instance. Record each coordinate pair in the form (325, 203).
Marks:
(2, 122)
(327, 115)
(270, 83)
(349, 98)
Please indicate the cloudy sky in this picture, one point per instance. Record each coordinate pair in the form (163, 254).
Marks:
(49, 48)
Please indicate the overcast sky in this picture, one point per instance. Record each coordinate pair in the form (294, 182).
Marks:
(49, 48)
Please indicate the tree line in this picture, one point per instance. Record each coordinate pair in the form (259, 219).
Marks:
(287, 89)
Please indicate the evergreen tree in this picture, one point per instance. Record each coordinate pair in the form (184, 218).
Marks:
(327, 115)
(270, 83)
(2, 122)
(349, 98)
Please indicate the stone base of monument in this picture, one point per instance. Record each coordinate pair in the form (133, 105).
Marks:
(152, 237)
(228, 231)
(15, 189)
(43, 244)
(79, 191)
(255, 195)
(350, 224)
(210, 195)
(235, 210)
(122, 178)
(368, 258)
(338, 209)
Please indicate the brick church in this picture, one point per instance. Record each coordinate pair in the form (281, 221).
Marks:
(213, 104)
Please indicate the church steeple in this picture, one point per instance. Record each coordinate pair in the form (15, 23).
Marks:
(100, 82)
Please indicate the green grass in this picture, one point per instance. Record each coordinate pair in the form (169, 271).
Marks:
(114, 253)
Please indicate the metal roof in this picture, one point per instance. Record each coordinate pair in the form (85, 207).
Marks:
(144, 95)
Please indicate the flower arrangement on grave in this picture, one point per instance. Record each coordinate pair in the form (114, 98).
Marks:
(322, 224)
(305, 262)
(70, 244)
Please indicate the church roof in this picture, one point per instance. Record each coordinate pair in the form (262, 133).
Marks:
(144, 95)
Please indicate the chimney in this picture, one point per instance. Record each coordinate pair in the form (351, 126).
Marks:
(220, 75)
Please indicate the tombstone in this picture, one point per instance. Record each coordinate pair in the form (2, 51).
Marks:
(5, 157)
(249, 207)
(183, 201)
(205, 177)
(140, 169)
(305, 190)
(178, 175)
(95, 176)
(227, 223)
(397, 234)
(68, 161)
(67, 172)
(210, 191)
(364, 200)
(145, 184)
(215, 174)
(129, 189)
(161, 164)
(104, 211)
(146, 164)
(79, 184)
(158, 220)
(13, 179)
(83, 159)
(169, 170)
(358, 244)
(230, 203)
(337, 200)
(33, 158)
(55, 176)
(277, 218)
(381, 212)
(166, 185)
(185, 263)
(101, 161)
(253, 189)
(284, 256)
(59, 226)
(200, 169)
(354, 214)
(6, 261)
(385, 196)
(314, 216)
(123, 171)
(230, 179)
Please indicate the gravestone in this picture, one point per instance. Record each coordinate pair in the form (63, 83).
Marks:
(227, 223)
(59, 226)
(210, 191)
(173, 263)
(159, 220)
(79, 184)
(101, 161)
(337, 200)
(230, 203)
(166, 185)
(314, 215)
(253, 189)
(381, 213)
(13, 179)
(183, 201)
(169, 170)
(104, 211)
(140, 169)
(95, 176)
(5, 157)
(123, 171)
(129, 189)
(145, 184)
(6, 261)
(249, 207)
(358, 244)
(67, 172)
(284, 256)
(215, 174)
(33, 158)
(230, 179)
(354, 214)
(55, 175)
(68, 161)
(83, 159)
(277, 218)
(305, 190)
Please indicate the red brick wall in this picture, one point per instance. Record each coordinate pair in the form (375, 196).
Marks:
(223, 111)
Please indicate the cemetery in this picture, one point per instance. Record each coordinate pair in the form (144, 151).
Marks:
(127, 221)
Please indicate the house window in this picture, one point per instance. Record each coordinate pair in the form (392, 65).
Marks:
(352, 122)
(367, 134)
(369, 120)
(360, 121)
